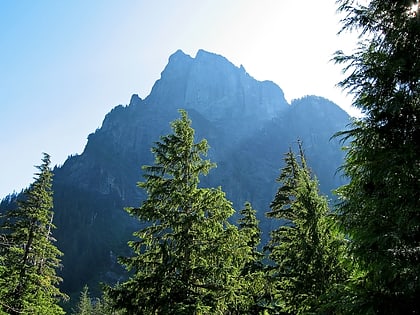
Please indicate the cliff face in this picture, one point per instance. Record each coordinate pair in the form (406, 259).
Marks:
(248, 124)
(216, 88)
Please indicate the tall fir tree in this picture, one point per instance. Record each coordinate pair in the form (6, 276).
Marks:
(306, 249)
(30, 259)
(253, 273)
(187, 258)
(251, 234)
(380, 207)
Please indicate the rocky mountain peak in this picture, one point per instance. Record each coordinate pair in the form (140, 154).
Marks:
(216, 88)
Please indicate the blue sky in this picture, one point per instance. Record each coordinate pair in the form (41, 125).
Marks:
(65, 64)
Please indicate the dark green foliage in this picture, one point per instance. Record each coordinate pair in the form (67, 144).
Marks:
(29, 260)
(306, 248)
(380, 207)
(253, 271)
(250, 231)
(187, 259)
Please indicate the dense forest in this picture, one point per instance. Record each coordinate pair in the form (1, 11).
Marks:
(194, 254)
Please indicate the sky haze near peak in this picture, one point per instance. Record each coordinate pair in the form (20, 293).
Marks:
(65, 64)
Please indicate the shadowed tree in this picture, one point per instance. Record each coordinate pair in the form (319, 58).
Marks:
(380, 207)
(253, 273)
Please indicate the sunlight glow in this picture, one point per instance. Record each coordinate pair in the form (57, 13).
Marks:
(414, 9)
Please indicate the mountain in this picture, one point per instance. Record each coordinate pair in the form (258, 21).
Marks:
(248, 124)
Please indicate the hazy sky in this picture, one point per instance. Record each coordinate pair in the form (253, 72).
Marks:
(65, 64)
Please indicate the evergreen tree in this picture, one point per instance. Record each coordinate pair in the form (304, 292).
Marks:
(187, 258)
(103, 306)
(380, 207)
(249, 227)
(98, 306)
(29, 259)
(84, 306)
(252, 274)
(4, 245)
(306, 248)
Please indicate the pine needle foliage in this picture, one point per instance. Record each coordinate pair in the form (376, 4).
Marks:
(253, 270)
(187, 258)
(380, 207)
(306, 249)
(28, 280)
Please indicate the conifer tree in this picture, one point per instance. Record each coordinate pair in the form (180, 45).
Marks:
(187, 258)
(93, 306)
(380, 207)
(84, 306)
(305, 248)
(252, 274)
(249, 227)
(29, 259)
(103, 306)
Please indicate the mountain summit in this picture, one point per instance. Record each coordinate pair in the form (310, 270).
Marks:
(216, 88)
(249, 126)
